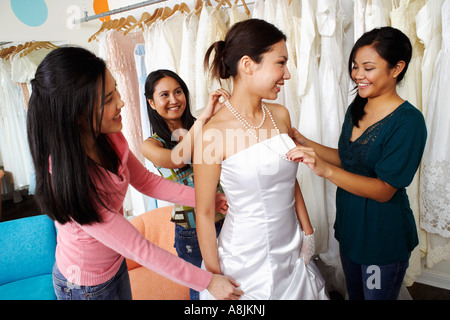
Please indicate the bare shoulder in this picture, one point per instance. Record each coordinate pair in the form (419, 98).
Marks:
(218, 123)
(280, 115)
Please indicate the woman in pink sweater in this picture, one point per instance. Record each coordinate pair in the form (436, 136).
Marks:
(83, 169)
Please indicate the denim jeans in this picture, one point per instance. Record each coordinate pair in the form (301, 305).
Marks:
(373, 282)
(188, 249)
(116, 288)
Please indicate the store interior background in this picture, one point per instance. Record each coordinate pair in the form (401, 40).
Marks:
(58, 27)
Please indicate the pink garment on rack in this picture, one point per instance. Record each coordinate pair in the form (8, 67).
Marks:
(120, 61)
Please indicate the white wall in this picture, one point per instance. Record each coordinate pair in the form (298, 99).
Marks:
(56, 28)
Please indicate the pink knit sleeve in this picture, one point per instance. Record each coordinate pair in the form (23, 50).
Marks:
(157, 187)
(117, 233)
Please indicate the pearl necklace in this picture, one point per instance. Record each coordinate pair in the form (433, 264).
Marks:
(247, 126)
(242, 119)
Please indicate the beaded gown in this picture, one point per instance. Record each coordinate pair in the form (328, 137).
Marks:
(261, 238)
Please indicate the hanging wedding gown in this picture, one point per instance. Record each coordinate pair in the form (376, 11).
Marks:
(14, 150)
(261, 237)
(376, 14)
(236, 15)
(23, 70)
(429, 31)
(403, 18)
(312, 186)
(333, 78)
(310, 124)
(170, 44)
(187, 60)
(434, 176)
(283, 18)
(212, 26)
(359, 12)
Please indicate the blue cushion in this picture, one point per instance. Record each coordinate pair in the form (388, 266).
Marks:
(27, 248)
(35, 288)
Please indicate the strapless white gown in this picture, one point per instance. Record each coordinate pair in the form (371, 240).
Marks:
(260, 241)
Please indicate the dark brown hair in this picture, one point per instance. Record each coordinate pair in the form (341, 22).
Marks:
(252, 37)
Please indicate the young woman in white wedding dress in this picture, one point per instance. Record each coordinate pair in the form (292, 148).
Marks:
(267, 240)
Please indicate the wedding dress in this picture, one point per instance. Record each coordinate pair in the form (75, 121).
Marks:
(403, 18)
(429, 31)
(434, 182)
(377, 14)
(187, 60)
(260, 241)
(14, 150)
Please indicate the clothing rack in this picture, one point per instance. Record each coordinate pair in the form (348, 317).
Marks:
(126, 8)
(119, 10)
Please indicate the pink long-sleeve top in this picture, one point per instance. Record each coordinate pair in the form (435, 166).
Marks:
(92, 254)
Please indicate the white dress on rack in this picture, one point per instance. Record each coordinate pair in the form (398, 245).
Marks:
(261, 237)
(187, 59)
(213, 26)
(359, 11)
(172, 38)
(377, 14)
(284, 17)
(429, 31)
(434, 181)
(312, 186)
(403, 18)
(333, 92)
(14, 150)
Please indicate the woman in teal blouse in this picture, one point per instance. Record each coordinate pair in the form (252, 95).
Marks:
(379, 151)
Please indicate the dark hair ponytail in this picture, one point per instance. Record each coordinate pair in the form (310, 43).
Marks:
(393, 46)
(252, 37)
(67, 87)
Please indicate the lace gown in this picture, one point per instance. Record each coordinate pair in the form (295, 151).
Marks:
(260, 241)
(434, 182)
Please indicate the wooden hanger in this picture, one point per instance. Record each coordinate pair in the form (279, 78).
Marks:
(37, 46)
(175, 9)
(105, 26)
(5, 53)
(124, 24)
(184, 8)
(247, 11)
(166, 13)
(198, 4)
(117, 23)
(158, 12)
(139, 23)
(221, 2)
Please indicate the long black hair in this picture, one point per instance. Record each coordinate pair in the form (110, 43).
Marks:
(393, 46)
(67, 89)
(158, 124)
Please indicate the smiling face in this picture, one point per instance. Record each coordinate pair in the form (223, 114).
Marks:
(272, 72)
(372, 73)
(169, 99)
(111, 119)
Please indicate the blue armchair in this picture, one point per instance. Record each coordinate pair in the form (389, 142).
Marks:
(27, 255)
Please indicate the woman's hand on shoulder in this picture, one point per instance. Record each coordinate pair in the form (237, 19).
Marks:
(214, 104)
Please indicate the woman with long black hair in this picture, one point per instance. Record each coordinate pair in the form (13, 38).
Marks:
(83, 169)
